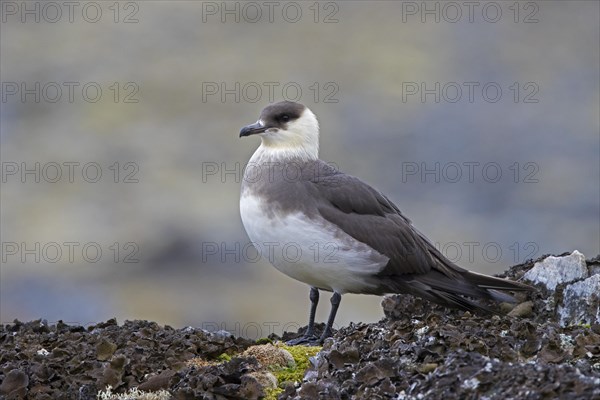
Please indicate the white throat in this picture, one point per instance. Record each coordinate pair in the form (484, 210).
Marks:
(300, 140)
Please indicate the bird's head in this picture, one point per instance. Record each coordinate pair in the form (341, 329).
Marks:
(287, 128)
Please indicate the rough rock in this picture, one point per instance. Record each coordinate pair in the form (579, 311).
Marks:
(15, 384)
(570, 286)
(522, 310)
(553, 271)
(79, 362)
(269, 355)
(433, 352)
(419, 350)
(581, 302)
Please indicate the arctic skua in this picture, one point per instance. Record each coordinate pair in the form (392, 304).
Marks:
(344, 235)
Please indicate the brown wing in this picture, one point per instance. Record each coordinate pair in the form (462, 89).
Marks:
(415, 265)
(368, 216)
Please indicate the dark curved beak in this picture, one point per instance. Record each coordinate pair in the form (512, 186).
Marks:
(252, 129)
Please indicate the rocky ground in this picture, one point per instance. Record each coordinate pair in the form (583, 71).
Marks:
(546, 347)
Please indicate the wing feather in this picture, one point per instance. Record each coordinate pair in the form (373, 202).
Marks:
(415, 266)
(369, 217)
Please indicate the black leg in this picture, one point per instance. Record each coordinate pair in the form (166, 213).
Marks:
(335, 303)
(314, 300)
(309, 336)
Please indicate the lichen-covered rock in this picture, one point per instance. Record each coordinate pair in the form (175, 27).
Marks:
(271, 356)
(265, 378)
(553, 271)
(581, 302)
(571, 287)
(433, 352)
(522, 310)
(460, 356)
(78, 362)
(14, 385)
(419, 350)
(105, 350)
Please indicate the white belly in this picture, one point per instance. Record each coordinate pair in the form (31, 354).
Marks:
(312, 251)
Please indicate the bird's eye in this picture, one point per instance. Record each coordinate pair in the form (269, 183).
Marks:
(285, 118)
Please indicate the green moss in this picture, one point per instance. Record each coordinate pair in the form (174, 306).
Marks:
(581, 324)
(264, 340)
(301, 355)
(272, 393)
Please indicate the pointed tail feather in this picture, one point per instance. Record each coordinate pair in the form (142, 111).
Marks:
(491, 282)
(451, 290)
(457, 301)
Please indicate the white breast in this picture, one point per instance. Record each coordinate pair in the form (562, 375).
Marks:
(312, 251)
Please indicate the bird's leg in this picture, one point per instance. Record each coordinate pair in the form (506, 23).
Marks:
(314, 300)
(309, 336)
(335, 303)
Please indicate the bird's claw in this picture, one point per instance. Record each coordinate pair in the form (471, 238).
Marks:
(306, 340)
(310, 339)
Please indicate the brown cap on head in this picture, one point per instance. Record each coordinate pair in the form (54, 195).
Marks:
(276, 115)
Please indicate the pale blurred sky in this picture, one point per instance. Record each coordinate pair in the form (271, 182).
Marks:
(482, 126)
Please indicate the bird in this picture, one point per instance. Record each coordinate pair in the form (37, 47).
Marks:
(335, 233)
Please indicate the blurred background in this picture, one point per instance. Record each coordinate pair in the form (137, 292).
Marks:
(121, 162)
